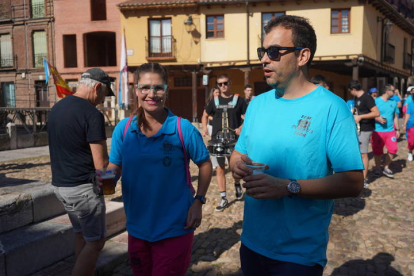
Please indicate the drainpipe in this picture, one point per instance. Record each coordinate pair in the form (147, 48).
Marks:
(27, 49)
(248, 31)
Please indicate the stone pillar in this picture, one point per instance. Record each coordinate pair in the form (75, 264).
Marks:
(246, 75)
(194, 96)
(355, 72)
(12, 131)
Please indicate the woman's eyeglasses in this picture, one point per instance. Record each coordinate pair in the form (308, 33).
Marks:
(158, 89)
(220, 84)
(273, 51)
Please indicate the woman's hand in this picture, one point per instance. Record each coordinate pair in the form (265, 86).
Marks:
(194, 215)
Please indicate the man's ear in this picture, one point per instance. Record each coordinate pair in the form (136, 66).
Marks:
(304, 57)
(97, 87)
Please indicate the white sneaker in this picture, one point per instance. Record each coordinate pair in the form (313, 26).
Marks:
(410, 157)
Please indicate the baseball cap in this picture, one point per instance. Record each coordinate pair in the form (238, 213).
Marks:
(99, 75)
(373, 90)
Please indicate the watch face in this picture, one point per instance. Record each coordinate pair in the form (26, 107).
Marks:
(294, 187)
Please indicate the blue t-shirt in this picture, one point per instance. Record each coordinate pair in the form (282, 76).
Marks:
(410, 110)
(387, 110)
(154, 190)
(351, 104)
(304, 138)
(396, 99)
(408, 100)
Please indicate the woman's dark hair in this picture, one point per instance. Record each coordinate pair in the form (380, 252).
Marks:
(148, 68)
(303, 34)
(211, 96)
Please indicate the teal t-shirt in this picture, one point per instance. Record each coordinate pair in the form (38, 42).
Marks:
(410, 110)
(305, 138)
(387, 109)
(154, 190)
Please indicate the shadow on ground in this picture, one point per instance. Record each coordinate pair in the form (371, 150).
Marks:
(351, 205)
(380, 264)
(209, 245)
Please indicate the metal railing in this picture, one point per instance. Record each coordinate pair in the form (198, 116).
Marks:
(166, 48)
(38, 10)
(38, 60)
(6, 61)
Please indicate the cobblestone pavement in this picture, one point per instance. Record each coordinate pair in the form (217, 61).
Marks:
(369, 235)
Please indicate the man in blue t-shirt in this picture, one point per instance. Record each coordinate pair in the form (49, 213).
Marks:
(288, 208)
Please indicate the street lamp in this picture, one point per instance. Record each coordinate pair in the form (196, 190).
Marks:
(189, 24)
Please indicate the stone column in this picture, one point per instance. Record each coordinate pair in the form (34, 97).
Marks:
(194, 95)
(12, 131)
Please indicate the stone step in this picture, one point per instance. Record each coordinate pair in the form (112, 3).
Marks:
(112, 255)
(23, 204)
(42, 244)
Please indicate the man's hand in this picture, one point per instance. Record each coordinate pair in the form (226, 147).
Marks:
(397, 134)
(238, 131)
(97, 185)
(381, 120)
(357, 118)
(194, 215)
(240, 170)
(261, 186)
(204, 133)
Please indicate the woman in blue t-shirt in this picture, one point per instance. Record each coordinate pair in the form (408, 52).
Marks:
(147, 150)
(408, 126)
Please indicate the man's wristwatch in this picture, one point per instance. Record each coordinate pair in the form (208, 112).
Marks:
(201, 198)
(293, 187)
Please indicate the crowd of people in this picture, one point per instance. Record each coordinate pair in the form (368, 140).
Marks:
(315, 151)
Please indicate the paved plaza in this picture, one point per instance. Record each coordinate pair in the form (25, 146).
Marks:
(369, 235)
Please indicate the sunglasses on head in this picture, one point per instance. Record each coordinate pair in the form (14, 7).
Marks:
(273, 51)
(223, 83)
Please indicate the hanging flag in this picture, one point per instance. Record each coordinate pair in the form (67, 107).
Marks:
(62, 88)
(123, 76)
(47, 70)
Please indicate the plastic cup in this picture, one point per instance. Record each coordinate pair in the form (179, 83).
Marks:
(258, 168)
(108, 183)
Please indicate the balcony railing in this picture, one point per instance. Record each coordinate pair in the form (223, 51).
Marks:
(390, 53)
(38, 10)
(161, 48)
(38, 60)
(407, 61)
(6, 61)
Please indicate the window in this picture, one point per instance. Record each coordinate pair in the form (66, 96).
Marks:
(160, 43)
(6, 51)
(38, 8)
(340, 21)
(99, 49)
(215, 26)
(266, 17)
(69, 51)
(73, 84)
(39, 48)
(9, 97)
(98, 10)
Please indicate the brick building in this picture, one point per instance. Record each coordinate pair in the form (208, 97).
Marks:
(26, 38)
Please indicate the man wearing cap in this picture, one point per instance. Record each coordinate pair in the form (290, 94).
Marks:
(77, 145)
(373, 92)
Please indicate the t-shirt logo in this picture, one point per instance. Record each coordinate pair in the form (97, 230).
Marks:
(302, 128)
(393, 138)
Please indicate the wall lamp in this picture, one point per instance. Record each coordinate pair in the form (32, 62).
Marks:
(189, 24)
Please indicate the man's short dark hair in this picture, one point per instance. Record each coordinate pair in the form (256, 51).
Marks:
(248, 86)
(223, 75)
(318, 79)
(388, 87)
(354, 84)
(303, 34)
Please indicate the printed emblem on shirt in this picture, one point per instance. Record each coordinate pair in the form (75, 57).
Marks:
(393, 138)
(167, 147)
(302, 128)
(167, 161)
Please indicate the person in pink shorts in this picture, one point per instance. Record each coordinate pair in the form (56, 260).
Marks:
(385, 134)
(408, 126)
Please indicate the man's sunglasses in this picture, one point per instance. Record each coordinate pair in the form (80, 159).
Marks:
(223, 83)
(273, 51)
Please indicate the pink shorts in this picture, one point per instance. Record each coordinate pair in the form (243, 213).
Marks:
(410, 138)
(170, 256)
(379, 139)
